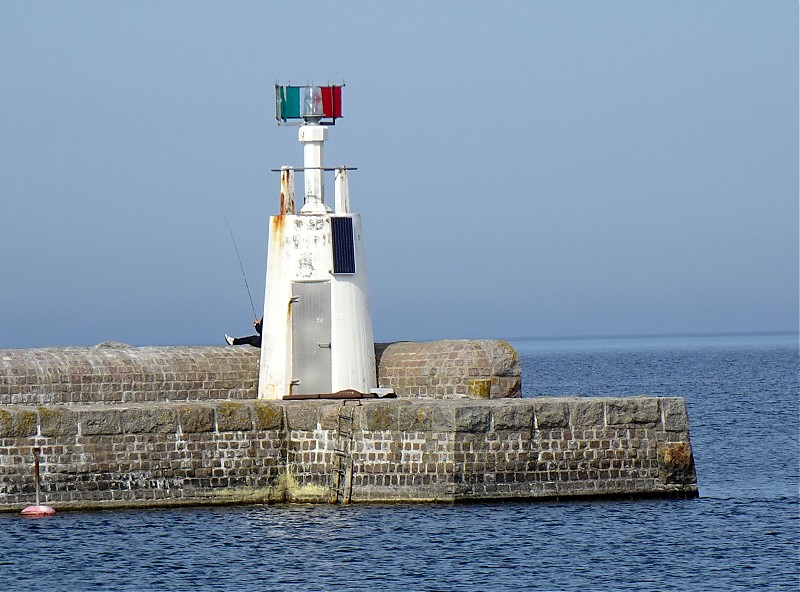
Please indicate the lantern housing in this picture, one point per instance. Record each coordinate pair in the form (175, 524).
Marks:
(298, 105)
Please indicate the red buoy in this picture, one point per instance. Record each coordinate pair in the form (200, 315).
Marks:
(37, 511)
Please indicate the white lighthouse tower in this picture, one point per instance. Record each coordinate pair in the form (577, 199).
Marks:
(317, 329)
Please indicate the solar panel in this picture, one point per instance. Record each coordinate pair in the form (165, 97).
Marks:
(344, 256)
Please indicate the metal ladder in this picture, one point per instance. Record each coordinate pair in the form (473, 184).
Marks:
(342, 475)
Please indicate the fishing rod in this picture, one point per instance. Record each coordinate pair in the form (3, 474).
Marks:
(233, 240)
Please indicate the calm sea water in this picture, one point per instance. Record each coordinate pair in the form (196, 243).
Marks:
(743, 533)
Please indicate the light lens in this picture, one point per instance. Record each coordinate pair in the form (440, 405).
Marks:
(311, 101)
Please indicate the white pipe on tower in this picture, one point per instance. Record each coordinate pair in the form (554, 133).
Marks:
(341, 192)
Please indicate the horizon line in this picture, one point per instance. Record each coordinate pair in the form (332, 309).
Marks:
(653, 335)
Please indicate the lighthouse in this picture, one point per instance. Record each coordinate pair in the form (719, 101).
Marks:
(317, 331)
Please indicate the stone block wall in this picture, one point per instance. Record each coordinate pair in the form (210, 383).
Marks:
(452, 369)
(401, 450)
(116, 373)
(554, 448)
(143, 454)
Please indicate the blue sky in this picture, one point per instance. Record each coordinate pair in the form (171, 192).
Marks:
(524, 168)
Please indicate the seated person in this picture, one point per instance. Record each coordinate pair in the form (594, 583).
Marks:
(254, 340)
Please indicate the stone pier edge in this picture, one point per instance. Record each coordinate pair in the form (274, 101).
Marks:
(420, 451)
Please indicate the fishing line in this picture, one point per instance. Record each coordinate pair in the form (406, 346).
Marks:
(233, 240)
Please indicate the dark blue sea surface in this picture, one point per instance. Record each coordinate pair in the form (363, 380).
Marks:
(743, 533)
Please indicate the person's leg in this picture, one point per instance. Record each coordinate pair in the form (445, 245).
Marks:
(254, 340)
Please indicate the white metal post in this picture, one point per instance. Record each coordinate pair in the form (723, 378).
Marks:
(312, 137)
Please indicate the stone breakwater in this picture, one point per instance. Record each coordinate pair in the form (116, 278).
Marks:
(119, 426)
(481, 369)
(112, 373)
(399, 451)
